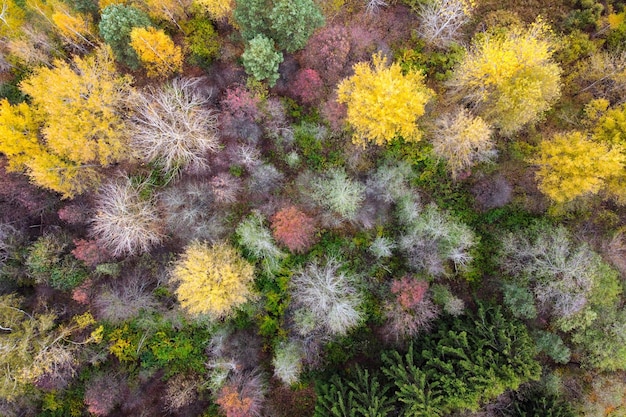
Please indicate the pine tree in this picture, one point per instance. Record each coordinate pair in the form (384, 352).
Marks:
(467, 362)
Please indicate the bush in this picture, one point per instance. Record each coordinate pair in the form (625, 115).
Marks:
(116, 23)
(48, 262)
(261, 60)
(202, 41)
(294, 229)
(126, 222)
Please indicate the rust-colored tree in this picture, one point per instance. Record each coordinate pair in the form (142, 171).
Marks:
(294, 229)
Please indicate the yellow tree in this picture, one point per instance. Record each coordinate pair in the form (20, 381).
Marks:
(382, 102)
(217, 9)
(72, 126)
(156, 51)
(76, 28)
(11, 18)
(213, 280)
(571, 165)
(510, 77)
(173, 11)
(462, 140)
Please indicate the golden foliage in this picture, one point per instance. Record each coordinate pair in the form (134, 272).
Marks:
(75, 27)
(156, 51)
(72, 126)
(382, 102)
(12, 18)
(571, 165)
(463, 140)
(213, 279)
(511, 77)
(217, 9)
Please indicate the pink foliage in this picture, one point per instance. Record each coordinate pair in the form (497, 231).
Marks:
(294, 229)
(334, 113)
(73, 214)
(307, 86)
(409, 292)
(81, 293)
(412, 311)
(102, 395)
(240, 103)
(90, 252)
(327, 53)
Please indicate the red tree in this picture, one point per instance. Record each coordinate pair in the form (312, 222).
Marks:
(294, 229)
(307, 86)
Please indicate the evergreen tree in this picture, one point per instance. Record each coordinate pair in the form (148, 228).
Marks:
(467, 362)
(116, 24)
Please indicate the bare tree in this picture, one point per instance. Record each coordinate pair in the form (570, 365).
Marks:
(173, 126)
(441, 20)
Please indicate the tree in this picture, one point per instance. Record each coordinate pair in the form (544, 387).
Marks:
(126, 222)
(463, 141)
(242, 396)
(571, 166)
(433, 239)
(293, 22)
(287, 362)
(360, 396)
(156, 51)
(258, 241)
(440, 20)
(294, 229)
(261, 60)
(329, 295)
(33, 347)
(76, 28)
(510, 77)
(171, 11)
(339, 193)
(217, 9)
(116, 23)
(172, 125)
(466, 362)
(382, 102)
(289, 23)
(78, 114)
(213, 280)
(411, 311)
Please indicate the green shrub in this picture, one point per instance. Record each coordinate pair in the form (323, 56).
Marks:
(520, 301)
(552, 345)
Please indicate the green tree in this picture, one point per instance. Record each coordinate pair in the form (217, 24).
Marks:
(466, 362)
(510, 76)
(116, 23)
(261, 59)
(289, 23)
(361, 396)
(293, 22)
